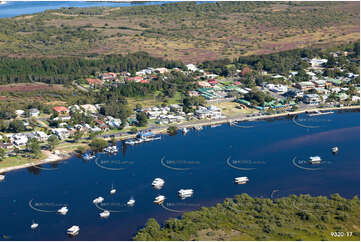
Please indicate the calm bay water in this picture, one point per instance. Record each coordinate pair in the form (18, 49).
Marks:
(11, 9)
(269, 147)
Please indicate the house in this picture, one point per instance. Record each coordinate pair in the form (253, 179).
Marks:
(304, 86)
(135, 79)
(311, 99)
(161, 70)
(278, 88)
(191, 67)
(61, 133)
(110, 76)
(204, 84)
(176, 108)
(317, 62)
(193, 93)
(101, 124)
(95, 82)
(19, 112)
(40, 136)
(319, 83)
(89, 108)
(61, 110)
(33, 112)
(19, 139)
(113, 122)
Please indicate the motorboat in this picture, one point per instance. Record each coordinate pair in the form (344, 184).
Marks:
(131, 202)
(113, 191)
(2, 177)
(335, 149)
(34, 225)
(185, 130)
(104, 214)
(198, 128)
(88, 156)
(241, 180)
(73, 230)
(63, 211)
(315, 160)
(318, 113)
(185, 193)
(159, 200)
(98, 200)
(158, 183)
(111, 149)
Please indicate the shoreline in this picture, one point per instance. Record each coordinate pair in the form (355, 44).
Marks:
(53, 157)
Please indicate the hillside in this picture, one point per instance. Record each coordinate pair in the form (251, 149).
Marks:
(188, 32)
(245, 218)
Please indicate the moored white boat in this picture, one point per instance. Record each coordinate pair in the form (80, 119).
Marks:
(73, 230)
(131, 202)
(185, 193)
(111, 149)
(113, 191)
(88, 156)
(98, 200)
(159, 200)
(158, 183)
(315, 160)
(34, 225)
(241, 180)
(335, 149)
(2, 177)
(63, 211)
(185, 130)
(104, 214)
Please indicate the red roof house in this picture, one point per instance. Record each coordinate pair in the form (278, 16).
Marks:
(61, 109)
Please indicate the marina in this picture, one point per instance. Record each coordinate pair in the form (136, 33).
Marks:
(200, 155)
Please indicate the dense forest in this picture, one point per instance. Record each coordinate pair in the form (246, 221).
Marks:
(300, 217)
(63, 70)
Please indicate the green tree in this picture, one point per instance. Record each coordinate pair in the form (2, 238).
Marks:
(142, 119)
(172, 130)
(33, 146)
(2, 154)
(53, 141)
(98, 144)
(16, 126)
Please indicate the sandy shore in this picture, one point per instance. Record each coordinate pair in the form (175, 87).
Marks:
(57, 155)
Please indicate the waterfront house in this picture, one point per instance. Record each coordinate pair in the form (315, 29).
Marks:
(311, 99)
(19, 139)
(40, 136)
(61, 133)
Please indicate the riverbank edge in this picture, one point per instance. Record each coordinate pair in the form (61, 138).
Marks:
(67, 155)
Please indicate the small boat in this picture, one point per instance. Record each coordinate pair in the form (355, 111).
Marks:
(185, 193)
(113, 191)
(111, 149)
(147, 139)
(159, 200)
(104, 214)
(335, 149)
(34, 225)
(198, 128)
(318, 113)
(131, 202)
(63, 211)
(241, 180)
(2, 177)
(158, 183)
(88, 156)
(185, 130)
(315, 160)
(98, 200)
(73, 230)
(134, 141)
(215, 125)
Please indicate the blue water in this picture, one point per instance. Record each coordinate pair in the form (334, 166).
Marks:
(11, 9)
(269, 147)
